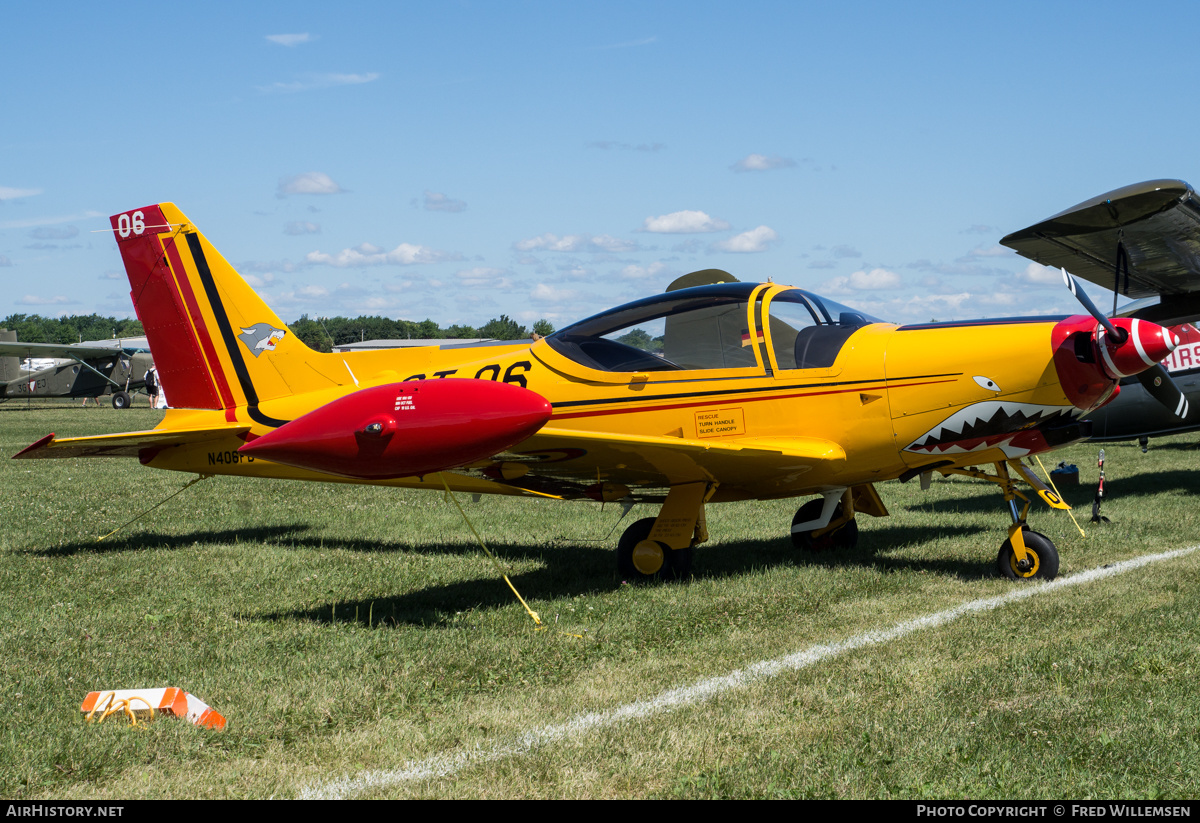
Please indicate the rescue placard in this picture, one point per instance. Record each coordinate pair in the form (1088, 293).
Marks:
(720, 422)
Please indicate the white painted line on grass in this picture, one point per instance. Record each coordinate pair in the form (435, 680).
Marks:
(444, 765)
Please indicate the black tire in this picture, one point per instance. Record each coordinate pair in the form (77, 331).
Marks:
(121, 400)
(1041, 551)
(676, 565)
(843, 537)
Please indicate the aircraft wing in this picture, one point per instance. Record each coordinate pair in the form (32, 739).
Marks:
(127, 444)
(1157, 222)
(566, 462)
(59, 350)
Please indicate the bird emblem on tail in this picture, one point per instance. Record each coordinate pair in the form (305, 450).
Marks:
(261, 337)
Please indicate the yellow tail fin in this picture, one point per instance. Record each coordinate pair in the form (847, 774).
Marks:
(215, 342)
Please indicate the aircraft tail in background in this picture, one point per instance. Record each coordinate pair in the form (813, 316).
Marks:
(10, 367)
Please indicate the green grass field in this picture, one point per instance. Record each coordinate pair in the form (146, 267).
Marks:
(346, 630)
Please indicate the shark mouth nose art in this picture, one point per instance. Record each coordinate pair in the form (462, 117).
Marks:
(1017, 428)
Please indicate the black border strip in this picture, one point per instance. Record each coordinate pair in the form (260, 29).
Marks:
(227, 335)
(728, 392)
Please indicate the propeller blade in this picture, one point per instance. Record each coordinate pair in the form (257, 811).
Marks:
(1118, 335)
(1157, 381)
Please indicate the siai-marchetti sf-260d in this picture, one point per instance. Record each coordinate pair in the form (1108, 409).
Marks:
(717, 392)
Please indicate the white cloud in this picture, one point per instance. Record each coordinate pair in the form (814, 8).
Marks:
(755, 240)
(762, 162)
(1036, 274)
(298, 227)
(684, 222)
(9, 193)
(483, 277)
(635, 272)
(436, 201)
(406, 254)
(873, 280)
(575, 243)
(34, 300)
(259, 282)
(48, 221)
(268, 267)
(309, 82)
(48, 233)
(290, 39)
(991, 251)
(545, 293)
(310, 182)
(4, 261)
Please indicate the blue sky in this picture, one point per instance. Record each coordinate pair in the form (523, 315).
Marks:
(459, 160)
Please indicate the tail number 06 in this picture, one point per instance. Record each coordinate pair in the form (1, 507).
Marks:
(131, 223)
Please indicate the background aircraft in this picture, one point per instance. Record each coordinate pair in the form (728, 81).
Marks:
(730, 391)
(90, 369)
(1141, 241)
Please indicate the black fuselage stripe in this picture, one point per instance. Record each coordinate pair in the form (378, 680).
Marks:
(866, 384)
(227, 335)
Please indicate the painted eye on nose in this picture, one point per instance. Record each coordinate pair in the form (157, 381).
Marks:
(987, 383)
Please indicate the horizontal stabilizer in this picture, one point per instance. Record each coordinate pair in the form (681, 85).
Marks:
(1157, 222)
(127, 444)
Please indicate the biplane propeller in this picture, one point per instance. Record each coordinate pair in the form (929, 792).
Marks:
(718, 391)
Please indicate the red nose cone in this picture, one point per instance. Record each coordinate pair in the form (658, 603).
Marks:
(1146, 345)
(406, 429)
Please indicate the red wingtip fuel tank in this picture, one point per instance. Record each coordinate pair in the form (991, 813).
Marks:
(1089, 361)
(406, 429)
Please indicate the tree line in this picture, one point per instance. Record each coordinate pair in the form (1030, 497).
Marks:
(33, 328)
(321, 334)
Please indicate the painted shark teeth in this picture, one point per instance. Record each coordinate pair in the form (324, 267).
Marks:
(986, 425)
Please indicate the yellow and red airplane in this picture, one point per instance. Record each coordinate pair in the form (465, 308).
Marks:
(718, 392)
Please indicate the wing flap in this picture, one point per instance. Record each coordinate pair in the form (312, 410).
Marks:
(806, 448)
(126, 444)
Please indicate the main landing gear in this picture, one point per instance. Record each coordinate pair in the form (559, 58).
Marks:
(660, 548)
(840, 529)
(640, 559)
(1026, 554)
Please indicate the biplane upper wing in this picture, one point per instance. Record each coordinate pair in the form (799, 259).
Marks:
(127, 444)
(61, 350)
(1155, 225)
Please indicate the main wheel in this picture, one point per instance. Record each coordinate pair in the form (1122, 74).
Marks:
(1041, 558)
(640, 560)
(843, 537)
(121, 400)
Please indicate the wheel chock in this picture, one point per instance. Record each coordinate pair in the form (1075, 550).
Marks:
(141, 704)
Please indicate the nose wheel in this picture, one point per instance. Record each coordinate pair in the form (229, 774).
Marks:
(1040, 562)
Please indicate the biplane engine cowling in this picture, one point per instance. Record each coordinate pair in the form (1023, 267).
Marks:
(406, 429)
(1090, 361)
